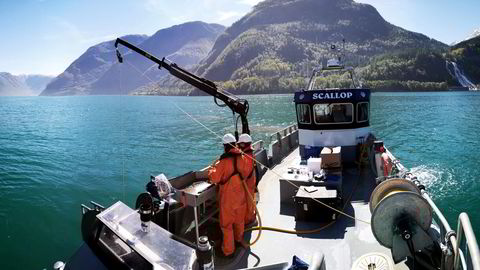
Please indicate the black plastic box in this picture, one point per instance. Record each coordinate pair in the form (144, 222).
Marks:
(307, 209)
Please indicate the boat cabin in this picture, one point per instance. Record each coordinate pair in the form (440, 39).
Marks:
(330, 118)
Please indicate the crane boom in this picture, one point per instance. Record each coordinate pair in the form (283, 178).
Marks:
(236, 104)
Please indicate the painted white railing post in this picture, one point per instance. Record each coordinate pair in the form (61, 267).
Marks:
(465, 227)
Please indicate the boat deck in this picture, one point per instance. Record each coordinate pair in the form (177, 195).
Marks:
(341, 243)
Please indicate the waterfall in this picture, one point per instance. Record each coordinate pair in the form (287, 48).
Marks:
(459, 76)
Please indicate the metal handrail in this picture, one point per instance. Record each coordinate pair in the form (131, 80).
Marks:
(455, 239)
(284, 132)
(395, 161)
(257, 145)
(446, 231)
(440, 216)
(462, 259)
(465, 227)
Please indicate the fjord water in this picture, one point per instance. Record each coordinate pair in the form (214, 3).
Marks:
(59, 152)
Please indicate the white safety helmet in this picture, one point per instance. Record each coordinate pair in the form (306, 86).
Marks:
(244, 138)
(229, 139)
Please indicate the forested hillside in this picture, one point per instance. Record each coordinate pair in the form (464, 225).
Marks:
(467, 55)
(273, 49)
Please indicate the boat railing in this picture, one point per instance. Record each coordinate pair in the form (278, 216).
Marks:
(261, 156)
(395, 161)
(464, 227)
(95, 206)
(398, 170)
(283, 132)
(282, 143)
(453, 253)
(447, 234)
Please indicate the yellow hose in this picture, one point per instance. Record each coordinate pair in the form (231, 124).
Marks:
(250, 197)
(291, 231)
(260, 227)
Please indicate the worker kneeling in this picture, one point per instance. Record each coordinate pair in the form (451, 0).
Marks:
(229, 172)
(245, 145)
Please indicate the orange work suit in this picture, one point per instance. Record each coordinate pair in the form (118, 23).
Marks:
(231, 197)
(251, 181)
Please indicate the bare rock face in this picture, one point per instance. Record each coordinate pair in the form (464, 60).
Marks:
(97, 72)
(11, 85)
(22, 85)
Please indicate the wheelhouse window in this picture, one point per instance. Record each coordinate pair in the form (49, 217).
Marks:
(335, 113)
(303, 114)
(362, 112)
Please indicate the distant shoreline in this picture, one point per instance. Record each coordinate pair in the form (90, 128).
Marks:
(254, 94)
(283, 93)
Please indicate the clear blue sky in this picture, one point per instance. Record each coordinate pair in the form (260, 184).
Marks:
(45, 36)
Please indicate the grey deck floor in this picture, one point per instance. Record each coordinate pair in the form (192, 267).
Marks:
(341, 243)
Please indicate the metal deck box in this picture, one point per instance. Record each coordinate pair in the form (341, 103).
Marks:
(307, 209)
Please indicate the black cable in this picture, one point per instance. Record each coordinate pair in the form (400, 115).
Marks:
(413, 255)
(247, 106)
(236, 123)
(412, 250)
(219, 105)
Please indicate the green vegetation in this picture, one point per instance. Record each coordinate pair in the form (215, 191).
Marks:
(395, 85)
(412, 70)
(274, 48)
(407, 70)
(467, 55)
(412, 64)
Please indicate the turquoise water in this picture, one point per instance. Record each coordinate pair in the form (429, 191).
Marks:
(59, 152)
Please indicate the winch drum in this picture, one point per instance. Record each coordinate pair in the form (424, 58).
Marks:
(394, 204)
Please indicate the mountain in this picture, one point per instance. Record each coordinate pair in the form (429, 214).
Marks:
(272, 47)
(467, 55)
(11, 85)
(186, 44)
(22, 85)
(97, 71)
(474, 34)
(36, 83)
(87, 69)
